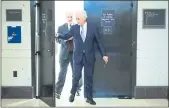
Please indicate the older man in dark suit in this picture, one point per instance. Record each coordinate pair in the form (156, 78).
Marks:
(85, 34)
(65, 56)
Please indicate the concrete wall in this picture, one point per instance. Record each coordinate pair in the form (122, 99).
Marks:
(16, 56)
(152, 49)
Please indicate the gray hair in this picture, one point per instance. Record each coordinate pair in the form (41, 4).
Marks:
(83, 12)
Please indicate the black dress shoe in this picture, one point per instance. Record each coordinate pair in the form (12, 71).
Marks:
(57, 96)
(91, 101)
(71, 98)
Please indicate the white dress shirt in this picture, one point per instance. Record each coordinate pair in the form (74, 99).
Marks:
(69, 26)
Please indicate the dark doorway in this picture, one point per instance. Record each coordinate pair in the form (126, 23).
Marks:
(117, 78)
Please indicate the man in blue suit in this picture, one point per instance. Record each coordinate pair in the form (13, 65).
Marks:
(85, 34)
(65, 56)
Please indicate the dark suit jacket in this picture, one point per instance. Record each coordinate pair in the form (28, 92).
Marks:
(64, 50)
(87, 47)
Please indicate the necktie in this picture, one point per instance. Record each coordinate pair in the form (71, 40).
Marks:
(71, 42)
(83, 33)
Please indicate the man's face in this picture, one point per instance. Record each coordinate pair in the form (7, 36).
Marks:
(69, 17)
(80, 19)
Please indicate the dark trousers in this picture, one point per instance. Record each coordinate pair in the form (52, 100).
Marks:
(62, 74)
(88, 77)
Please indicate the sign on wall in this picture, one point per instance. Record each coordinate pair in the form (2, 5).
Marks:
(154, 18)
(13, 15)
(14, 34)
(107, 30)
(107, 20)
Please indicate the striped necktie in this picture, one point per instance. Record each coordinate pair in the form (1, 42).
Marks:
(82, 33)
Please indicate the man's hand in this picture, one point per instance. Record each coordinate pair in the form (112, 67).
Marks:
(105, 58)
(70, 38)
(57, 34)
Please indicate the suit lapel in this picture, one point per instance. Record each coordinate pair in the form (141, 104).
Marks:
(66, 29)
(87, 32)
(66, 26)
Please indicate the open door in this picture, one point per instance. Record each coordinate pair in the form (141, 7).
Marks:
(47, 52)
(116, 25)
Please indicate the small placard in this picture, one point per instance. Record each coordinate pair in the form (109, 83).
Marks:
(13, 15)
(14, 34)
(154, 18)
(108, 18)
(107, 30)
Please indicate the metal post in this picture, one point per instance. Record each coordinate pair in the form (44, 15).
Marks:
(37, 46)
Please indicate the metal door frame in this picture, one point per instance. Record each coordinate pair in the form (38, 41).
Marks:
(134, 45)
(32, 8)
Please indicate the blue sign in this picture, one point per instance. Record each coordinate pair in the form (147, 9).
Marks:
(108, 18)
(14, 34)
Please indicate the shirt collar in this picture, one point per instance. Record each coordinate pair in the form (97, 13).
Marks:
(70, 24)
(84, 25)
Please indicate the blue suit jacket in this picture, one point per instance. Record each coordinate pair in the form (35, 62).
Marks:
(87, 47)
(64, 50)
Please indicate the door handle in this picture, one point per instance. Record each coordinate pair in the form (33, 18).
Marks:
(133, 43)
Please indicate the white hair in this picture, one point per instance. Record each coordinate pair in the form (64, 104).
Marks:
(83, 12)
